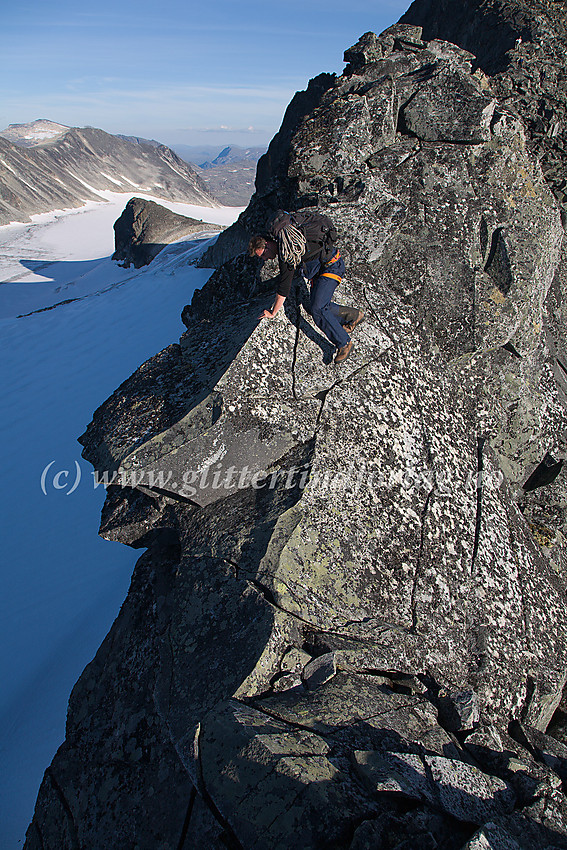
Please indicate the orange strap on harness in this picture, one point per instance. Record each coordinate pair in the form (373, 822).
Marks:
(334, 259)
(329, 274)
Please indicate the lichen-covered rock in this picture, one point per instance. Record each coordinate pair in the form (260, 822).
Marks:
(346, 543)
(522, 43)
(452, 109)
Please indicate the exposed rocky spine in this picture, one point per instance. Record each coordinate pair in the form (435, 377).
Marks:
(347, 631)
(144, 228)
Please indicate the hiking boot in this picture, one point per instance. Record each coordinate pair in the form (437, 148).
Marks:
(344, 352)
(350, 326)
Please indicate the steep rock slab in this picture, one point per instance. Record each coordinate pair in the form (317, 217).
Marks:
(144, 228)
(259, 422)
(396, 537)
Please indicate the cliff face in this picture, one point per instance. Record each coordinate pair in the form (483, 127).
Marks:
(349, 629)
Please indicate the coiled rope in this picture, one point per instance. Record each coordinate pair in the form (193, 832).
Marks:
(291, 245)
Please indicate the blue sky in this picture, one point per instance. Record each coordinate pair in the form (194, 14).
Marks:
(181, 72)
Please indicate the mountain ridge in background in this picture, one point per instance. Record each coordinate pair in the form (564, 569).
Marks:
(230, 174)
(47, 166)
(34, 133)
(232, 154)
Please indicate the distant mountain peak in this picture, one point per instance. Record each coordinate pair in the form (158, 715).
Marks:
(34, 132)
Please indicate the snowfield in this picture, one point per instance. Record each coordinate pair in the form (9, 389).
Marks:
(67, 252)
(63, 585)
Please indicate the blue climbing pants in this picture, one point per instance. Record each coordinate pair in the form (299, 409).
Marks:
(324, 280)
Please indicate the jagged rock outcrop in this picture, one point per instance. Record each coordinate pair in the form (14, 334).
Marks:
(144, 228)
(66, 170)
(523, 44)
(345, 632)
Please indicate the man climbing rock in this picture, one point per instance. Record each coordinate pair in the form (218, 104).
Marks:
(307, 241)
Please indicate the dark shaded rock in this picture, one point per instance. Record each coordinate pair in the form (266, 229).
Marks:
(546, 472)
(548, 750)
(417, 828)
(458, 712)
(496, 752)
(319, 670)
(139, 519)
(461, 790)
(276, 785)
(144, 228)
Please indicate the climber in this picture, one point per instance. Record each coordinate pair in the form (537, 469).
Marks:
(306, 241)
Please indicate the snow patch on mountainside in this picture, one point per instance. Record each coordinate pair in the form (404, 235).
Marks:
(34, 132)
(68, 252)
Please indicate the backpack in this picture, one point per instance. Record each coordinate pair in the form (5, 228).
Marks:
(293, 230)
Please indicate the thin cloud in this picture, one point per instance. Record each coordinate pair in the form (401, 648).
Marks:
(222, 128)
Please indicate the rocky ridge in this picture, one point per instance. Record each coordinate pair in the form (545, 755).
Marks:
(68, 169)
(144, 228)
(349, 629)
